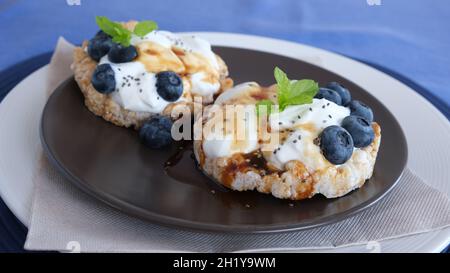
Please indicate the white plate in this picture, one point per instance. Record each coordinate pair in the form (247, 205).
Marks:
(427, 130)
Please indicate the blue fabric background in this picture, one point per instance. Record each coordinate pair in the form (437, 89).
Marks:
(411, 37)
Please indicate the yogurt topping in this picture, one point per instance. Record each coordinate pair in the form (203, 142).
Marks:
(135, 85)
(136, 90)
(202, 87)
(305, 123)
(237, 92)
(225, 143)
(189, 43)
(297, 128)
(319, 114)
(235, 131)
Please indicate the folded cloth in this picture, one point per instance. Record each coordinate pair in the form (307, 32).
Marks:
(66, 219)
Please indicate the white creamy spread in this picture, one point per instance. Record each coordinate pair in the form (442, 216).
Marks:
(217, 144)
(297, 127)
(321, 113)
(202, 87)
(236, 92)
(228, 137)
(135, 87)
(306, 122)
(186, 42)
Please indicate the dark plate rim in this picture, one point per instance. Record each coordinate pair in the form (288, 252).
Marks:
(209, 227)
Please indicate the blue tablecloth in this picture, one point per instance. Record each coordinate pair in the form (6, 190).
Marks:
(410, 37)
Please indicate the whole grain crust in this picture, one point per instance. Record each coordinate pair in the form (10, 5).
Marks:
(295, 182)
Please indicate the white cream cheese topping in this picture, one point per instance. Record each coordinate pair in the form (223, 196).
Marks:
(238, 91)
(297, 127)
(230, 137)
(135, 86)
(305, 123)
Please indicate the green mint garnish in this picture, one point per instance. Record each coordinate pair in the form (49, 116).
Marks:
(144, 27)
(119, 33)
(294, 92)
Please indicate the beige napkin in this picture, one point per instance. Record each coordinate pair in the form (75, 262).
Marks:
(64, 218)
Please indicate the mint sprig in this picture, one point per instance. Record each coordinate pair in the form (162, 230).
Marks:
(294, 92)
(144, 27)
(120, 34)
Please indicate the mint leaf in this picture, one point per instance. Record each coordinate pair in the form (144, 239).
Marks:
(264, 107)
(282, 84)
(295, 92)
(280, 77)
(119, 33)
(302, 92)
(109, 27)
(144, 27)
(122, 37)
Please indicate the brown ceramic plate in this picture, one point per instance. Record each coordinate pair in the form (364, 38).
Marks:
(112, 165)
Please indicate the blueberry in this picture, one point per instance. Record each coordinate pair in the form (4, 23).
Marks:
(358, 108)
(336, 144)
(102, 35)
(103, 79)
(360, 130)
(328, 94)
(155, 133)
(341, 90)
(122, 54)
(99, 46)
(169, 85)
